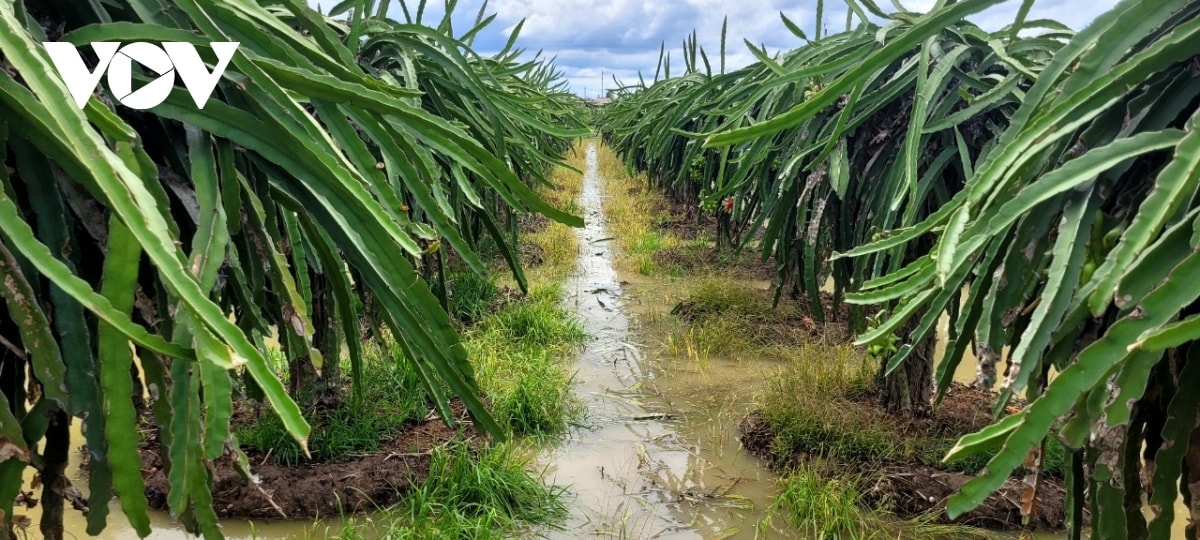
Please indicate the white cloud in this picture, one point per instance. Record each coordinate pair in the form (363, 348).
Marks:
(622, 37)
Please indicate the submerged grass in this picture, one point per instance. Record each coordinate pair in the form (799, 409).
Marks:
(732, 318)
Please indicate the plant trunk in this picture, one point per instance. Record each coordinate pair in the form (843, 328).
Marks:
(1192, 465)
(302, 375)
(986, 359)
(325, 336)
(12, 385)
(1131, 475)
(908, 390)
(54, 481)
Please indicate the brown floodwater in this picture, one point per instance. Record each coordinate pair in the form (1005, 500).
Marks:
(163, 526)
(657, 453)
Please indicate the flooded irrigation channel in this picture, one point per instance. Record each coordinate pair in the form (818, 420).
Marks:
(657, 454)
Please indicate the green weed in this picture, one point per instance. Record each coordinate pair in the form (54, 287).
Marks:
(832, 508)
(646, 265)
(471, 296)
(807, 406)
(534, 323)
(469, 494)
(647, 241)
(520, 356)
(392, 395)
(824, 507)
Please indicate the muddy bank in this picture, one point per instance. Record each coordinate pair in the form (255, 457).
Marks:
(349, 485)
(793, 324)
(910, 488)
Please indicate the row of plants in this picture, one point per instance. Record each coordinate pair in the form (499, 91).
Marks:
(1036, 185)
(344, 163)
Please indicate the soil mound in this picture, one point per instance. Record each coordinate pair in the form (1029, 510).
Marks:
(312, 490)
(914, 490)
(694, 259)
(911, 489)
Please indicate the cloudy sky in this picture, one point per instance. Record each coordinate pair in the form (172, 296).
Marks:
(595, 38)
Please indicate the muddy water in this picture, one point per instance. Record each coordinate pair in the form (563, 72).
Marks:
(163, 526)
(657, 454)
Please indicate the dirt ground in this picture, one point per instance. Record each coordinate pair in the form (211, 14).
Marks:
(682, 221)
(792, 326)
(354, 484)
(693, 259)
(912, 489)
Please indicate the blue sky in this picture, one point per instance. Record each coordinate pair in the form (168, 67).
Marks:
(589, 38)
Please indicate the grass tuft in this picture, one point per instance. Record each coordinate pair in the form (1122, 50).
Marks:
(469, 494)
(825, 507)
(471, 296)
(809, 408)
(392, 395)
(538, 322)
(520, 355)
(717, 296)
(734, 319)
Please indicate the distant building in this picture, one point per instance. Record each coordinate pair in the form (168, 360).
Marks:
(599, 102)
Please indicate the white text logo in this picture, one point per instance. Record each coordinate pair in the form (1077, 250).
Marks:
(165, 60)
